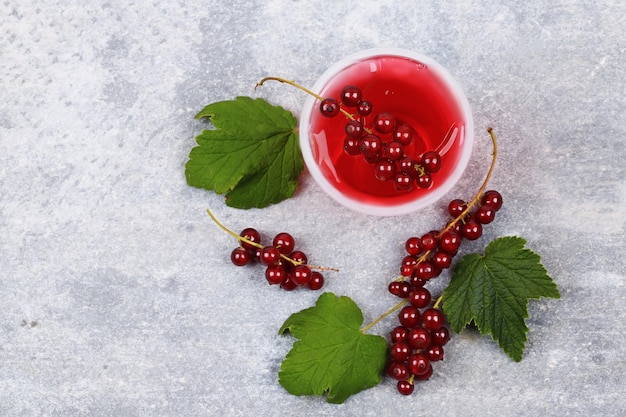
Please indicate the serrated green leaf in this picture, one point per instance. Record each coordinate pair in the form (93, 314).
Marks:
(252, 156)
(493, 291)
(332, 355)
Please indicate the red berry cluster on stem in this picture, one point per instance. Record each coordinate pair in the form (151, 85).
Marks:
(285, 266)
(381, 140)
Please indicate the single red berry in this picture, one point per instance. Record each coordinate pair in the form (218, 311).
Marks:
(403, 182)
(252, 235)
(441, 336)
(432, 319)
(405, 387)
(364, 108)
(493, 199)
(398, 370)
(400, 351)
(434, 353)
(485, 214)
(413, 246)
(471, 230)
(350, 95)
(419, 338)
(301, 275)
(424, 181)
(354, 129)
(407, 165)
(403, 134)
(240, 256)
(395, 150)
(417, 282)
(352, 146)
(385, 170)
(426, 375)
(298, 256)
(431, 161)
(275, 274)
(420, 297)
(419, 364)
(409, 317)
(288, 284)
(317, 281)
(449, 242)
(384, 123)
(443, 260)
(399, 334)
(426, 270)
(429, 240)
(371, 145)
(270, 255)
(456, 207)
(284, 242)
(329, 107)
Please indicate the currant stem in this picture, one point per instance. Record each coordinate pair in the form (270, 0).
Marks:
(384, 315)
(258, 245)
(300, 87)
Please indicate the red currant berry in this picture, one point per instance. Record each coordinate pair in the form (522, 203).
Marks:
(407, 165)
(352, 146)
(371, 146)
(426, 375)
(364, 108)
(492, 198)
(449, 242)
(287, 284)
(384, 123)
(317, 281)
(443, 260)
(456, 207)
(419, 364)
(298, 256)
(403, 182)
(420, 297)
(270, 255)
(301, 275)
(240, 256)
(413, 246)
(409, 317)
(405, 387)
(399, 334)
(398, 371)
(400, 351)
(284, 242)
(329, 107)
(485, 214)
(424, 181)
(403, 134)
(275, 274)
(441, 336)
(426, 270)
(385, 170)
(350, 95)
(471, 230)
(354, 129)
(252, 235)
(395, 151)
(434, 353)
(417, 282)
(419, 338)
(429, 240)
(431, 161)
(432, 319)
(399, 288)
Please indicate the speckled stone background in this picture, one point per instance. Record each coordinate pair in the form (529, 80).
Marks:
(116, 293)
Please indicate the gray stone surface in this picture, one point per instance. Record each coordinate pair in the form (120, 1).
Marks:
(116, 294)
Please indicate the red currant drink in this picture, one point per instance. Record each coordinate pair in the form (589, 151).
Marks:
(419, 98)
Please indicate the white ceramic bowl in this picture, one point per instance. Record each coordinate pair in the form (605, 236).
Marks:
(460, 135)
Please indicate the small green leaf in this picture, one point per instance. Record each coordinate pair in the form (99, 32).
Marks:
(493, 292)
(252, 155)
(332, 355)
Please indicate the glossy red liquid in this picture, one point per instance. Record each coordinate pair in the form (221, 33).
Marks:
(412, 93)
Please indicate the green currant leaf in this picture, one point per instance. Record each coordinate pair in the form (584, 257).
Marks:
(493, 291)
(252, 155)
(332, 355)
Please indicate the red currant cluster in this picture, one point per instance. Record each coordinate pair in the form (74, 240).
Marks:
(285, 265)
(420, 338)
(382, 142)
